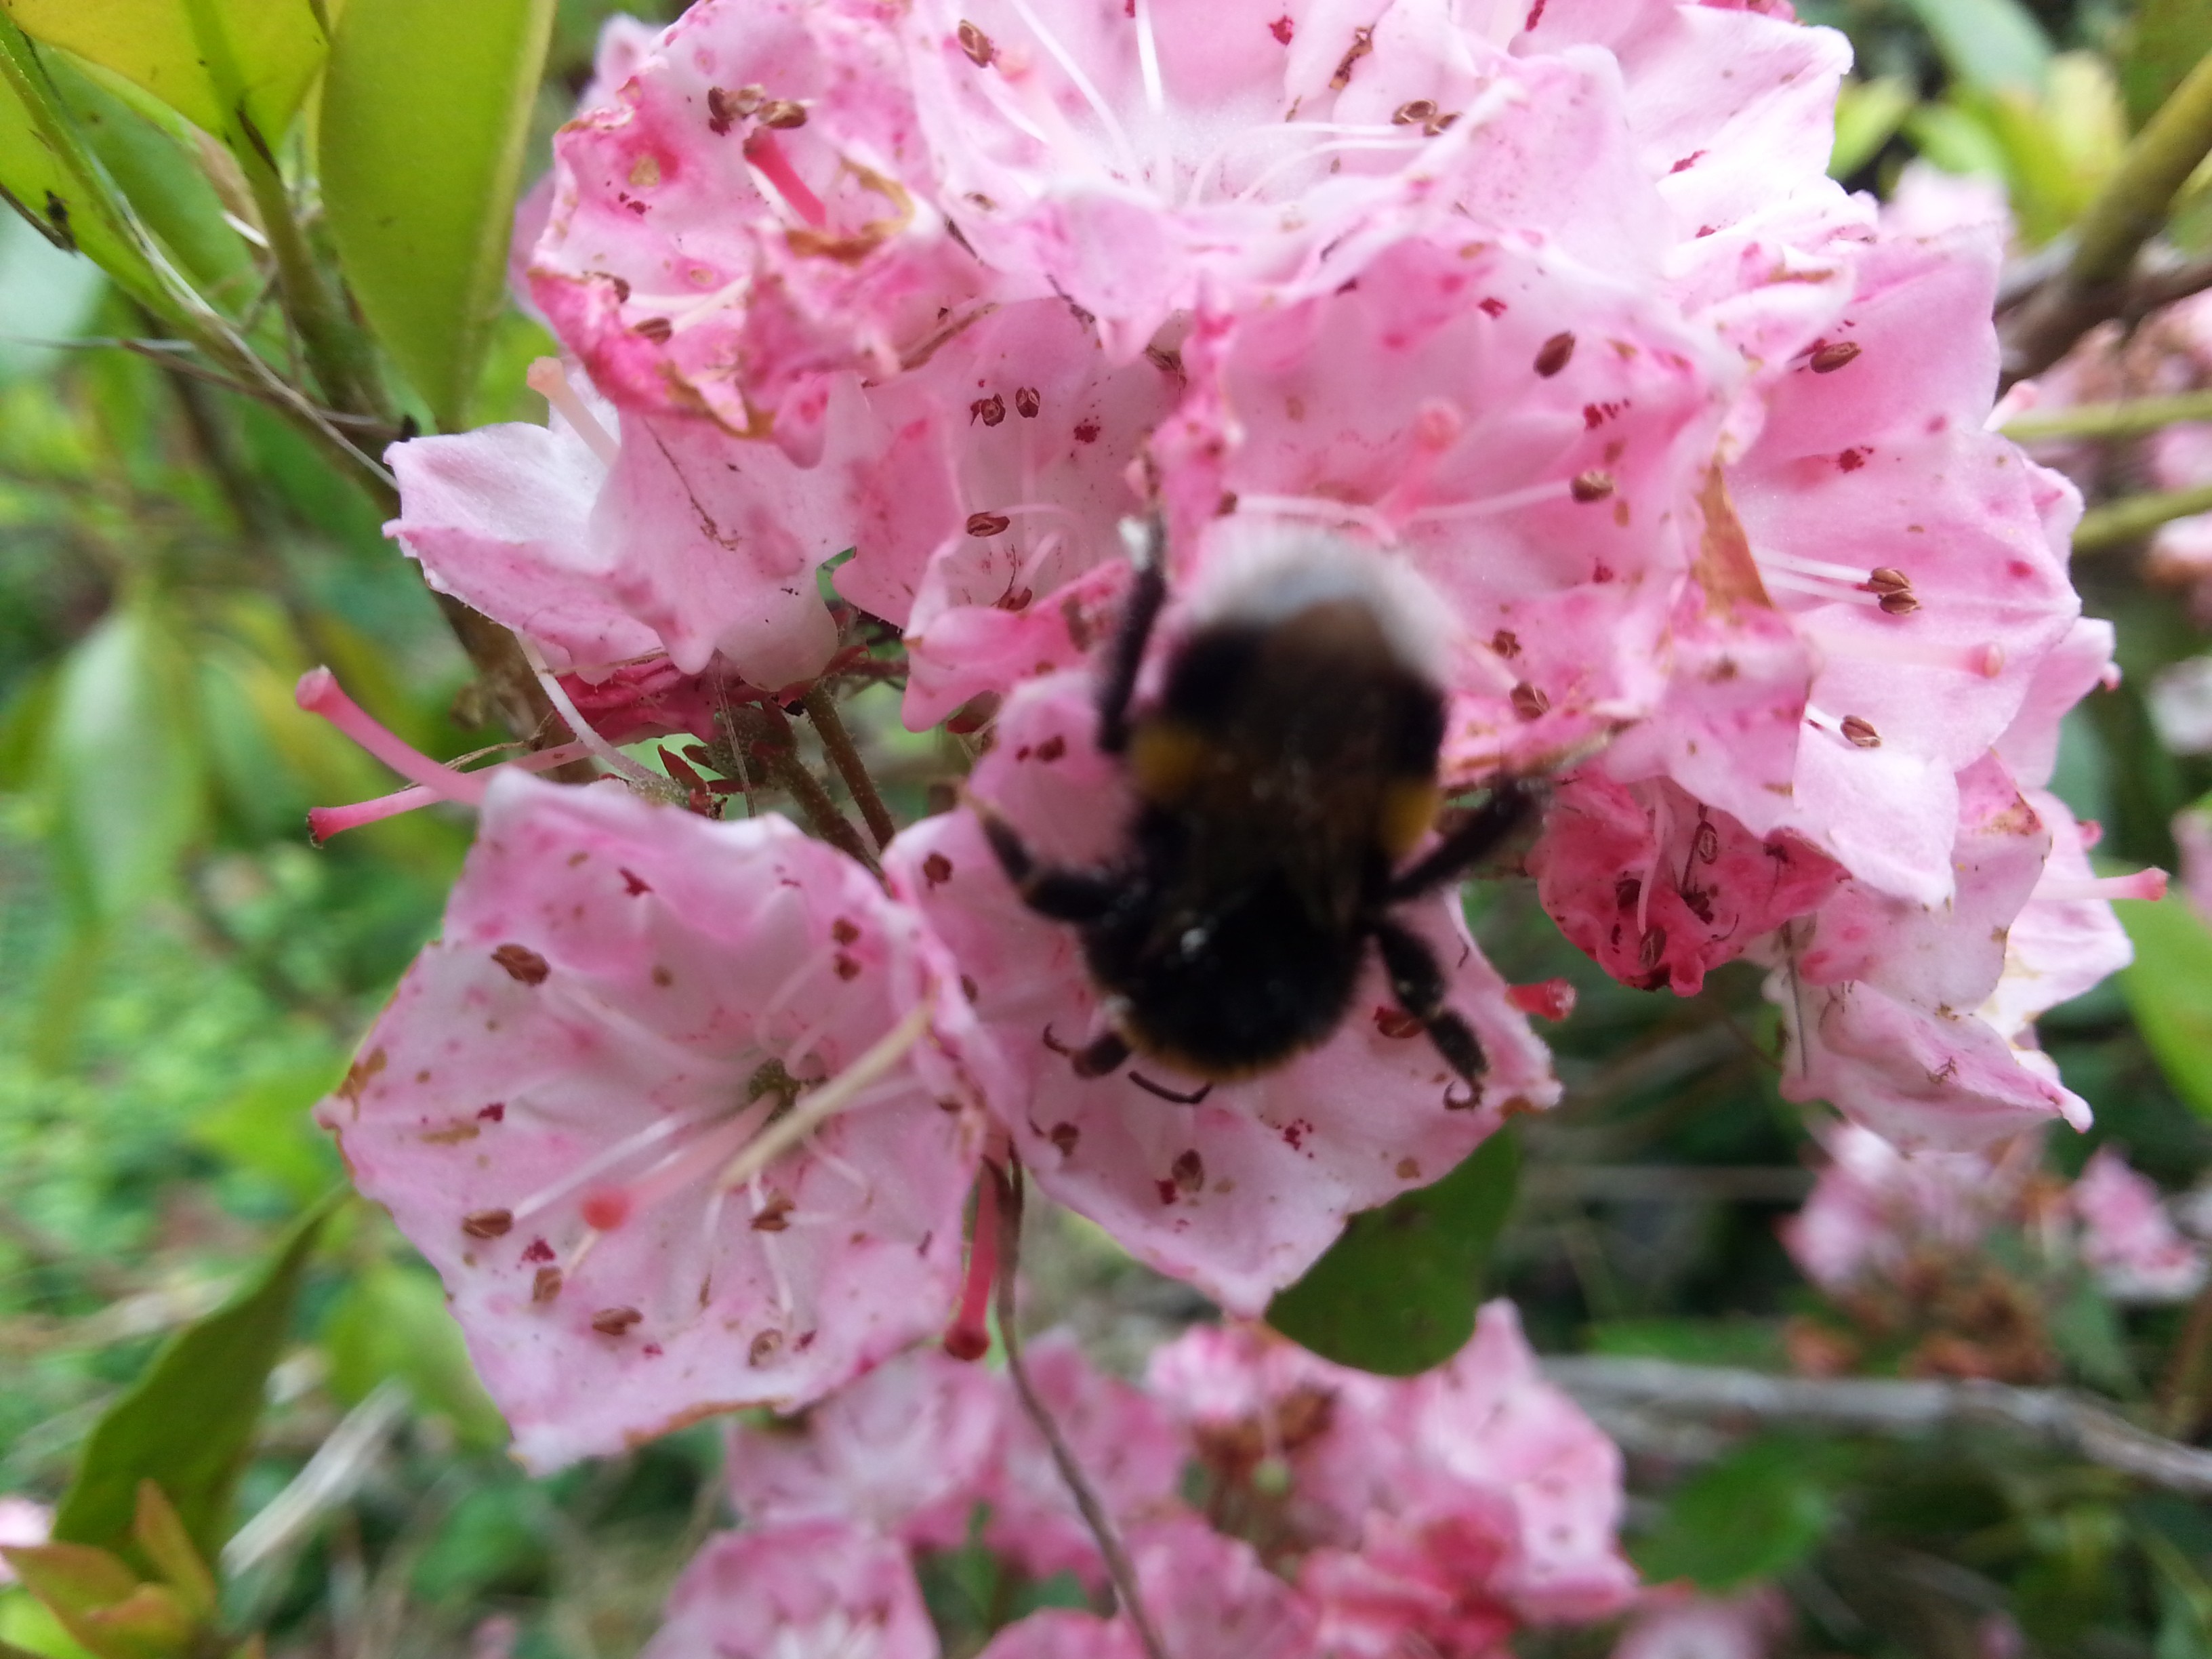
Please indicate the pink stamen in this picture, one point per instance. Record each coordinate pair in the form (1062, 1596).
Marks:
(969, 1335)
(767, 158)
(1986, 660)
(2143, 884)
(550, 381)
(319, 693)
(324, 822)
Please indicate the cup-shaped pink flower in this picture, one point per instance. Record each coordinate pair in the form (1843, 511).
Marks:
(1240, 1191)
(817, 1591)
(2128, 1240)
(601, 1103)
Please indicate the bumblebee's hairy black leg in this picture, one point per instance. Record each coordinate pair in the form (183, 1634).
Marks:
(1417, 979)
(1103, 1055)
(1062, 894)
(1482, 831)
(1124, 657)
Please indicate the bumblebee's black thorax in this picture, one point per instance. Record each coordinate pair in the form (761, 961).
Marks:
(1286, 768)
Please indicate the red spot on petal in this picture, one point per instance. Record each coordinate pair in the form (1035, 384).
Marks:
(539, 1250)
(1852, 459)
(633, 883)
(494, 1113)
(1493, 306)
(1166, 1189)
(1688, 161)
(1535, 15)
(1396, 1023)
(1282, 29)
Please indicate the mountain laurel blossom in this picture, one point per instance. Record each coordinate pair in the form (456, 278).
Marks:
(1551, 307)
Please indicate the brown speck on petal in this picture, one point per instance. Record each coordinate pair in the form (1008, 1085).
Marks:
(977, 45)
(655, 329)
(1593, 485)
(782, 113)
(1860, 733)
(764, 1349)
(843, 931)
(1552, 356)
(1027, 402)
(546, 1285)
(988, 524)
(488, 1223)
(1528, 701)
(1188, 1170)
(1827, 359)
(1506, 643)
(522, 963)
(1409, 1169)
(1363, 42)
(615, 1321)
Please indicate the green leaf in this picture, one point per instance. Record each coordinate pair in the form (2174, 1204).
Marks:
(2165, 39)
(424, 113)
(212, 61)
(392, 1321)
(160, 1532)
(187, 1423)
(1868, 113)
(1987, 44)
(2169, 991)
(123, 772)
(158, 172)
(1740, 1340)
(47, 175)
(1757, 1512)
(1397, 1293)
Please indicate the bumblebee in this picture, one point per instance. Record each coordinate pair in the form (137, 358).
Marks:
(1284, 772)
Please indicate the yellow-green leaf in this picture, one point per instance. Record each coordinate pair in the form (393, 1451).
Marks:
(425, 113)
(2169, 991)
(212, 61)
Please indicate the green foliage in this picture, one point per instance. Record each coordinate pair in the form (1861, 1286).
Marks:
(1759, 1512)
(425, 115)
(235, 68)
(391, 1322)
(1397, 1293)
(188, 1425)
(1989, 45)
(2169, 991)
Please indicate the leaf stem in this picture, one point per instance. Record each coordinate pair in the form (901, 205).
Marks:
(786, 767)
(2181, 1394)
(837, 744)
(2130, 419)
(2133, 517)
(1119, 1567)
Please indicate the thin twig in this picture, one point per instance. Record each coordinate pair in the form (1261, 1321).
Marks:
(786, 767)
(2181, 1395)
(2131, 419)
(2131, 518)
(1119, 1568)
(837, 744)
(1661, 1390)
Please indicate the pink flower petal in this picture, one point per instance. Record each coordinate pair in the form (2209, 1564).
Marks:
(818, 1591)
(547, 1106)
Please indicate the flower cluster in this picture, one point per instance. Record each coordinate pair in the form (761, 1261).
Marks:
(1331, 1511)
(1548, 308)
(1956, 1261)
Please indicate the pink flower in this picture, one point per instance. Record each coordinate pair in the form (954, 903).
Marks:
(1742, 1626)
(1240, 1192)
(913, 1447)
(2128, 1241)
(1874, 1206)
(819, 1591)
(561, 1105)
(1207, 1595)
(663, 535)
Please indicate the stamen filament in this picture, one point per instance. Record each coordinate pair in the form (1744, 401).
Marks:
(766, 157)
(550, 381)
(1073, 71)
(1325, 510)
(1987, 660)
(1485, 507)
(834, 1097)
(556, 693)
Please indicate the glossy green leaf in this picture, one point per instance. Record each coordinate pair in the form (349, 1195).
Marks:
(423, 117)
(155, 168)
(2165, 37)
(187, 1423)
(1759, 1511)
(1397, 1294)
(393, 1323)
(122, 772)
(2169, 991)
(212, 61)
(1987, 44)
(47, 175)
